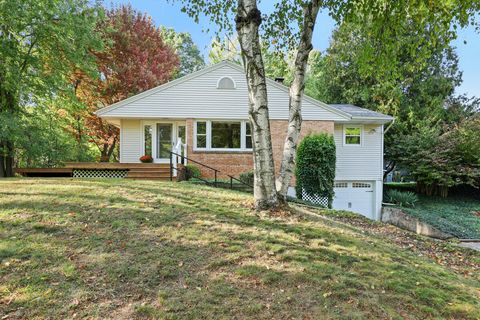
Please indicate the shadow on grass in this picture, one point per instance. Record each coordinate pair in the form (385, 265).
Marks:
(180, 251)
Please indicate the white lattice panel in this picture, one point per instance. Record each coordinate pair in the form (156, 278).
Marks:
(315, 199)
(99, 173)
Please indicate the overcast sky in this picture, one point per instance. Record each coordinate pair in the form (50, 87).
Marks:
(166, 14)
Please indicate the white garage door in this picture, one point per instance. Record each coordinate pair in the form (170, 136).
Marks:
(355, 196)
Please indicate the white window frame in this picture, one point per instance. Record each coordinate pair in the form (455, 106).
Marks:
(243, 130)
(228, 77)
(344, 136)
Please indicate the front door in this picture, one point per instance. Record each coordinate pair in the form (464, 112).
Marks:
(164, 141)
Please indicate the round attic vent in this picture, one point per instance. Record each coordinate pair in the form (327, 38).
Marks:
(226, 83)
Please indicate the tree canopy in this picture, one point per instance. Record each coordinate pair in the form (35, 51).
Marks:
(191, 59)
(41, 42)
(136, 59)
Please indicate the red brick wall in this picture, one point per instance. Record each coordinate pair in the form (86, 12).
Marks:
(234, 163)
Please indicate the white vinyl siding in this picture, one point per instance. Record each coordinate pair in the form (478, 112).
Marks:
(362, 162)
(131, 141)
(198, 97)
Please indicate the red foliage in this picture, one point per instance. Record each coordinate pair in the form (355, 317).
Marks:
(146, 159)
(135, 60)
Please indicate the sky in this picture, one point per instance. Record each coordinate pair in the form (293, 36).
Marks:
(169, 15)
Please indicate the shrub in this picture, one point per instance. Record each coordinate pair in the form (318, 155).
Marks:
(192, 171)
(315, 170)
(146, 159)
(247, 177)
(403, 199)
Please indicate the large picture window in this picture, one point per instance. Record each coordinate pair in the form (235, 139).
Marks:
(223, 135)
(226, 135)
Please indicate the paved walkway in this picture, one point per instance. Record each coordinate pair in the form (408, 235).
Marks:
(471, 245)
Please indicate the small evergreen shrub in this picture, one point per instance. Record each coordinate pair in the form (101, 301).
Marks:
(315, 170)
(247, 177)
(403, 199)
(192, 171)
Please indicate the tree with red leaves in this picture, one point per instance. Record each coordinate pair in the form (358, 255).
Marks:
(136, 59)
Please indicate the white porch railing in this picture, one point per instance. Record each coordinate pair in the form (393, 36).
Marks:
(179, 155)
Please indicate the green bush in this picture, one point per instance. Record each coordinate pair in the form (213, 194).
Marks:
(315, 170)
(192, 171)
(247, 177)
(403, 199)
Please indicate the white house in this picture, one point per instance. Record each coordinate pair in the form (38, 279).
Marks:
(207, 112)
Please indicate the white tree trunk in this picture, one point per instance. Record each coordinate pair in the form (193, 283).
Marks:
(247, 21)
(296, 92)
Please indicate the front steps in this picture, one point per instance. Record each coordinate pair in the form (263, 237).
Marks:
(149, 172)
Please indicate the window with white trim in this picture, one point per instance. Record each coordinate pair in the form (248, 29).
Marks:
(226, 135)
(219, 135)
(201, 134)
(248, 135)
(226, 83)
(352, 135)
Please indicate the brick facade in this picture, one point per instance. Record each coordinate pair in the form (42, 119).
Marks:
(234, 163)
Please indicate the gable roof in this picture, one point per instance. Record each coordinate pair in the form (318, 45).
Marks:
(196, 96)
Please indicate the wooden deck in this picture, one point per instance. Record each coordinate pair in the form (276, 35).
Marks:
(149, 171)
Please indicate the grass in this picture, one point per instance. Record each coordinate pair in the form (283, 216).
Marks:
(459, 216)
(146, 249)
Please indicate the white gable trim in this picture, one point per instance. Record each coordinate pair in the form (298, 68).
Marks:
(160, 88)
(104, 111)
(305, 97)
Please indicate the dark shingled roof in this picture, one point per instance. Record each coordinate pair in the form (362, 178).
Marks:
(358, 112)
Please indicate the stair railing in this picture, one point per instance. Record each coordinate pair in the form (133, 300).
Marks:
(174, 156)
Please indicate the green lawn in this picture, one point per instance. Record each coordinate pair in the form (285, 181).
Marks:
(455, 215)
(147, 249)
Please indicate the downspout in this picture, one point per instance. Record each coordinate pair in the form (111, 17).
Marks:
(389, 126)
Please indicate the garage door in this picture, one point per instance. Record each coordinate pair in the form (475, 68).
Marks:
(355, 196)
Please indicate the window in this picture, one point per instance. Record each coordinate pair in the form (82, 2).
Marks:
(361, 185)
(164, 140)
(147, 151)
(226, 83)
(223, 135)
(248, 135)
(201, 134)
(226, 135)
(341, 185)
(353, 135)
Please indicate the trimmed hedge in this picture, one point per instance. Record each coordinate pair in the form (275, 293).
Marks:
(315, 169)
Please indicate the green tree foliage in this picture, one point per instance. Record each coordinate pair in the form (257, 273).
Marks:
(418, 93)
(442, 157)
(315, 170)
(191, 59)
(41, 42)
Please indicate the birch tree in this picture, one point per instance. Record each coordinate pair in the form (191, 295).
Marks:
(290, 27)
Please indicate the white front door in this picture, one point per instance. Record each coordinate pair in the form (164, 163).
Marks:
(355, 196)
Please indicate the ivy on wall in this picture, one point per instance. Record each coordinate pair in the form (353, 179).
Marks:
(315, 170)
